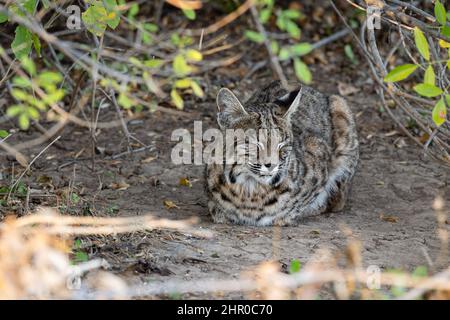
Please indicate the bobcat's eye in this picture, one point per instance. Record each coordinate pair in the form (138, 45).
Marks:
(283, 152)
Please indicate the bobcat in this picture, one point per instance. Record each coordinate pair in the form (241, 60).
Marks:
(315, 160)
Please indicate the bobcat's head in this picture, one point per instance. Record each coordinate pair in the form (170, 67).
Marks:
(261, 146)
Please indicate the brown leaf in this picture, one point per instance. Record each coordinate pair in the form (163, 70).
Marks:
(186, 4)
(375, 3)
(389, 218)
(120, 186)
(22, 160)
(346, 89)
(170, 204)
(185, 182)
(148, 160)
(391, 133)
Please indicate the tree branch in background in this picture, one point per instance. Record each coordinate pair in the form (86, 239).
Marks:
(273, 58)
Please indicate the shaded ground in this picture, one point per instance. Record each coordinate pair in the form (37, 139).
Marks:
(389, 208)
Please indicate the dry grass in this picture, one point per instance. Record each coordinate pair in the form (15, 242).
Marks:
(35, 264)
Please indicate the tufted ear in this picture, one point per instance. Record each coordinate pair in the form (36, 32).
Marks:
(229, 107)
(291, 100)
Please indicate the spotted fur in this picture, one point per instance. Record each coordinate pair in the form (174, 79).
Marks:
(318, 158)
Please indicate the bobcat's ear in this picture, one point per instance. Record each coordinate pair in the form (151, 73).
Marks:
(229, 107)
(292, 100)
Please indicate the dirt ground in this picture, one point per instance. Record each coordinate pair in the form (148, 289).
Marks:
(389, 210)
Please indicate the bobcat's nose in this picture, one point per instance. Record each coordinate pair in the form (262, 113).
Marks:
(269, 167)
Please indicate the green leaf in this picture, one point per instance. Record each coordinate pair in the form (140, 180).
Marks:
(95, 18)
(113, 18)
(293, 29)
(24, 121)
(350, 54)
(180, 67)
(190, 14)
(133, 11)
(183, 83)
(125, 101)
(175, 39)
(147, 38)
(281, 22)
(420, 272)
(197, 89)
(74, 198)
(3, 134)
(264, 15)
(3, 17)
(37, 44)
(53, 97)
(446, 31)
(135, 61)
(15, 110)
(427, 90)
(421, 43)
(429, 77)
(30, 6)
(275, 47)
(444, 44)
(439, 113)
(254, 36)
(284, 53)
(176, 99)
(301, 49)
(49, 78)
(33, 113)
(20, 94)
(291, 14)
(400, 73)
(22, 82)
(153, 63)
(21, 46)
(302, 71)
(194, 55)
(28, 65)
(439, 13)
(295, 266)
(447, 99)
(80, 256)
(151, 27)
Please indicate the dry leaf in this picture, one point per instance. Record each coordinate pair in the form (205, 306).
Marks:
(22, 160)
(346, 89)
(120, 186)
(400, 143)
(170, 204)
(391, 133)
(185, 182)
(186, 4)
(388, 218)
(148, 160)
(424, 137)
(375, 3)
